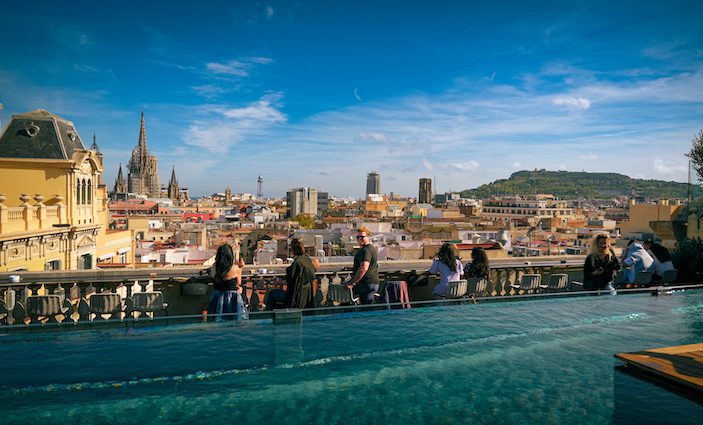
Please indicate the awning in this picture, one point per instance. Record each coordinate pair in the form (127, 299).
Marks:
(106, 256)
(123, 250)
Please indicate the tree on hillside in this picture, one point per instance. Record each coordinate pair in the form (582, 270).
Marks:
(696, 154)
(305, 221)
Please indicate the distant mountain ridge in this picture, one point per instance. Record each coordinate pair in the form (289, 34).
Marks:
(572, 185)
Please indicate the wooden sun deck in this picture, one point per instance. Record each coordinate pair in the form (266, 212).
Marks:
(682, 364)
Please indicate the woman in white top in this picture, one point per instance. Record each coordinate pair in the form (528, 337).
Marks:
(447, 266)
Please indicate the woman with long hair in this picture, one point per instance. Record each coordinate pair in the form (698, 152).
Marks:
(600, 265)
(226, 300)
(479, 266)
(448, 266)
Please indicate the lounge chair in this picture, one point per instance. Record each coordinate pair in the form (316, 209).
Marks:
(643, 278)
(557, 282)
(146, 302)
(530, 283)
(106, 303)
(340, 294)
(619, 279)
(455, 289)
(476, 286)
(668, 277)
(48, 306)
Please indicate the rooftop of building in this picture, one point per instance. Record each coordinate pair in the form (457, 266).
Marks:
(40, 134)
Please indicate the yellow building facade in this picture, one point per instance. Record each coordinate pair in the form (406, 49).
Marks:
(643, 216)
(53, 203)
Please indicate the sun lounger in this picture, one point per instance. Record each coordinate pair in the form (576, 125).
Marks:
(530, 283)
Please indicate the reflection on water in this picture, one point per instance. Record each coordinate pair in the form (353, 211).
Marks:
(641, 399)
(539, 361)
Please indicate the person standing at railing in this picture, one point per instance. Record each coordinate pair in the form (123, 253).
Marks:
(600, 265)
(226, 299)
(299, 274)
(365, 282)
(448, 266)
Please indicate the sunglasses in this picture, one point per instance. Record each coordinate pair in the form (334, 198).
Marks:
(360, 236)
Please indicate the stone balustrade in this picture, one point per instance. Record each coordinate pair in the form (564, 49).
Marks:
(27, 217)
(40, 300)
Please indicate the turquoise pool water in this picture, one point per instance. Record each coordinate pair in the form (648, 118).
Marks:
(539, 361)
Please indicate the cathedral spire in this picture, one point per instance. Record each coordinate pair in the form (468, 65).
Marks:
(173, 191)
(142, 135)
(173, 177)
(120, 177)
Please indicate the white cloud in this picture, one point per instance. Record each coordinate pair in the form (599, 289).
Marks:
(375, 137)
(572, 102)
(670, 168)
(224, 127)
(562, 167)
(427, 165)
(209, 90)
(589, 157)
(465, 166)
(233, 67)
(516, 165)
(85, 68)
(264, 110)
(237, 67)
(269, 12)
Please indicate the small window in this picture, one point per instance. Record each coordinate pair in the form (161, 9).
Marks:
(53, 265)
(31, 129)
(90, 192)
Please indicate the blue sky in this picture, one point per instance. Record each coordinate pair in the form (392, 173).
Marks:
(319, 93)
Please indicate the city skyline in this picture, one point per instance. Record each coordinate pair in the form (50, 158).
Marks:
(318, 94)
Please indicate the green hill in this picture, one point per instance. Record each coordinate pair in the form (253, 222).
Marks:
(571, 185)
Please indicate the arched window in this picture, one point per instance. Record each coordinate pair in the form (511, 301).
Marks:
(90, 192)
(83, 192)
(78, 191)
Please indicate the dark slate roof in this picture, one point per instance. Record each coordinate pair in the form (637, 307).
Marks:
(56, 137)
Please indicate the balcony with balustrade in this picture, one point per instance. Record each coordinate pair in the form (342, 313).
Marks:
(129, 297)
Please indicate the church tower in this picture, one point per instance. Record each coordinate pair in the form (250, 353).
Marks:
(143, 174)
(120, 189)
(173, 190)
(228, 195)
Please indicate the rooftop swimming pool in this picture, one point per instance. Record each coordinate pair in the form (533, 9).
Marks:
(546, 361)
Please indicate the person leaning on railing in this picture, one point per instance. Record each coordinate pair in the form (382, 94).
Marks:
(301, 272)
(365, 281)
(226, 300)
(600, 265)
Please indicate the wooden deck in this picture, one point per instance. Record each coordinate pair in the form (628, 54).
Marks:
(682, 364)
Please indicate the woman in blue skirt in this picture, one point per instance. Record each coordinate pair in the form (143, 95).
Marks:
(226, 301)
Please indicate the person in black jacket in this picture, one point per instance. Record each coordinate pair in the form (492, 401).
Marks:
(298, 275)
(600, 265)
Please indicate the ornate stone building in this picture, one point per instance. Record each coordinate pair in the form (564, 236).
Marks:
(143, 174)
(53, 203)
